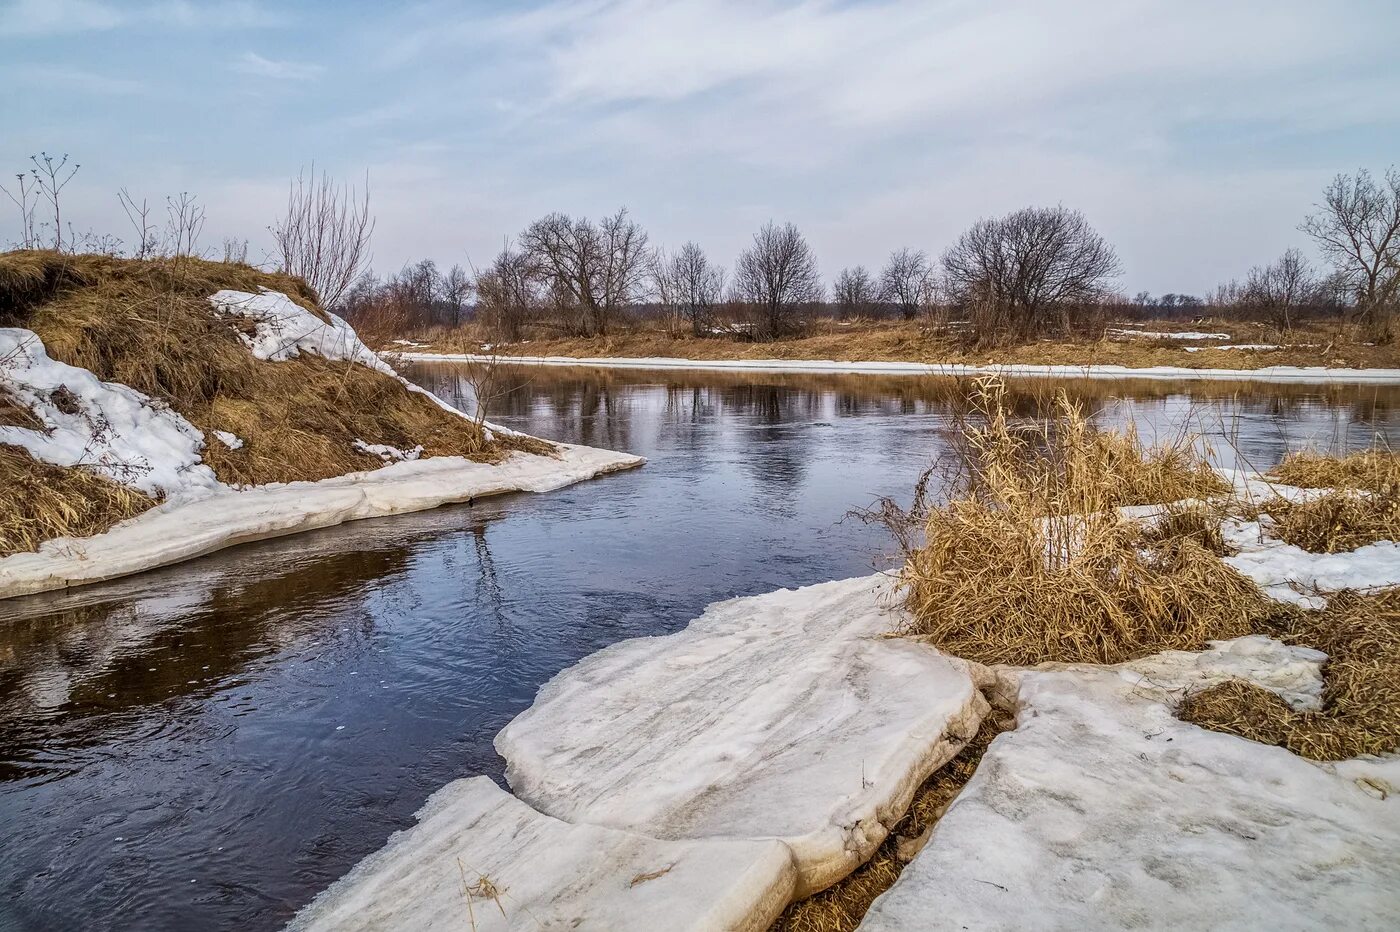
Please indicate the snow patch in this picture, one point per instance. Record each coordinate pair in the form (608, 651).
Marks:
(221, 517)
(1167, 335)
(789, 715)
(523, 870)
(107, 427)
(283, 329)
(1101, 810)
(387, 453)
(1292, 574)
(232, 441)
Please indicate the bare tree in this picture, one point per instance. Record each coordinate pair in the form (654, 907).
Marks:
(456, 289)
(904, 282)
(854, 292)
(777, 276)
(507, 294)
(592, 270)
(26, 202)
(183, 224)
(1357, 228)
(1015, 273)
(689, 286)
(324, 237)
(140, 216)
(1279, 290)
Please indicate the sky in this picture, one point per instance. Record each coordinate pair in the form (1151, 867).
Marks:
(1194, 135)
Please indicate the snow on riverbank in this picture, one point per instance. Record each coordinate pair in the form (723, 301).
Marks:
(196, 525)
(1101, 810)
(480, 859)
(1306, 374)
(107, 427)
(788, 715)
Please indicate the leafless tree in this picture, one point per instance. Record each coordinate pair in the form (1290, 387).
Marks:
(1357, 228)
(456, 293)
(1016, 274)
(140, 216)
(592, 270)
(689, 285)
(507, 294)
(325, 234)
(854, 292)
(26, 201)
(1278, 291)
(183, 224)
(777, 277)
(904, 282)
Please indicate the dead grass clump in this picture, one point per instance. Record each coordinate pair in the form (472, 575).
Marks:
(1029, 560)
(840, 907)
(15, 413)
(1336, 522)
(1376, 471)
(1361, 698)
(42, 502)
(1196, 522)
(149, 325)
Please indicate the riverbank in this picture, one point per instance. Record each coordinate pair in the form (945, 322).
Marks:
(1270, 374)
(155, 410)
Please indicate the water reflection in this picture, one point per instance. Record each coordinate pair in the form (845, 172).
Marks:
(208, 745)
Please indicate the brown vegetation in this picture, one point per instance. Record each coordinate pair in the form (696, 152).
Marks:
(840, 907)
(1361, 699)
(1372, 470)
(1028, 559)
(1336, 522)
(42, 502)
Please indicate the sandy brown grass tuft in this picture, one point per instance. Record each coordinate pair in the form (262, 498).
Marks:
(840, 907)
(15, 413)
(1336, 522)
(41, 502)
(1372, 470)
(149, 325)
(1028, 559)
(1361, 699)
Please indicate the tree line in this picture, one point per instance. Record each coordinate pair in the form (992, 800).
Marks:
(1035, 271)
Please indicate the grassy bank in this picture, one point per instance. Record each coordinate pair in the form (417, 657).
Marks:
(149, 325)
(1315, 344)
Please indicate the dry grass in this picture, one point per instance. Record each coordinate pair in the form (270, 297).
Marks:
(1336, 522)
(15, 413)
(1323, 343)
(41, 502)
(1028, 559)
(840, 907)
(149, 325)
(1361, 700)
(1196, 521)
(1374, 470)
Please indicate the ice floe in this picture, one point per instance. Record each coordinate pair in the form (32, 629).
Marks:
(788, 715)
(480, 859)
(1102, 810)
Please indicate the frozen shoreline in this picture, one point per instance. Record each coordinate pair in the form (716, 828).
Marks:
(194, 525)
(1278, 374)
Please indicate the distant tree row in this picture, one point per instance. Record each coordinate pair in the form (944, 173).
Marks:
(1034, 271)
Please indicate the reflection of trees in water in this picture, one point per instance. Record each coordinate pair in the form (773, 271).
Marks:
(68, 672)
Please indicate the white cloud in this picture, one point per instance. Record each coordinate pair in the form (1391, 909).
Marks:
(49, 17)
(37, 18)
(255, 64)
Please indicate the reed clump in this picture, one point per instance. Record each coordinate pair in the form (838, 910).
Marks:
(1337, 522)
(1374, 470)
(42, 502)
(1360, 711)
(1029, 560)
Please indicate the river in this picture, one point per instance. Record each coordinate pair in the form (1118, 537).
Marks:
(209, 745)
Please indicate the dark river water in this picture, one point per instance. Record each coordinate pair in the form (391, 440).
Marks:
(208, 746)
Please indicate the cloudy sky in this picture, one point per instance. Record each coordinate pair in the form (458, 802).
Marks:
(1195, 134)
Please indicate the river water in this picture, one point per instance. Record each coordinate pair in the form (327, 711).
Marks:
(209, 745)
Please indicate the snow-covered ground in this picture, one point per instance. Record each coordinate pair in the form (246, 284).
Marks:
(481, 860)
(142, 443)
(1101, 810)
(788, 715)
(191, 526)
(1165, 334)
(1306, 374)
